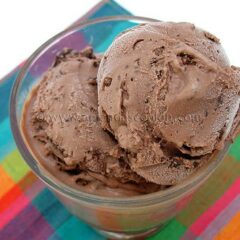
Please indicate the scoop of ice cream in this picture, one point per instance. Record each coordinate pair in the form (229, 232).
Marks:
(169, 96)
(61, 119)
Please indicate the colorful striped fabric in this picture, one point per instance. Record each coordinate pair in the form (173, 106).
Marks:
(28, 210)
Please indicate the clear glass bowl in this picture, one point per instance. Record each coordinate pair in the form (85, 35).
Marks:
(122, 218)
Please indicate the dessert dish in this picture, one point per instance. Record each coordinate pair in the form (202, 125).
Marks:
(144, 116)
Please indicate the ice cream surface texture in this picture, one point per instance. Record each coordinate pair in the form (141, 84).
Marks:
(168, 94)
(62, 128)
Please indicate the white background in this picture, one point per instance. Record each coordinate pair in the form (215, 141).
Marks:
(26, 24)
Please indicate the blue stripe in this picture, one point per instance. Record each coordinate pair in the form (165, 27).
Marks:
(111, 8)
(102, 39)
(48, 205)
(5, 91)
(74, 229)
(67, 226)
(108, 39)
(7, 143)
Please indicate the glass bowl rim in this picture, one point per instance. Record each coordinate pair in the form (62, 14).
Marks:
(142, 200)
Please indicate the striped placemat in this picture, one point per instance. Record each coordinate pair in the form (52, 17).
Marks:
(28, 210)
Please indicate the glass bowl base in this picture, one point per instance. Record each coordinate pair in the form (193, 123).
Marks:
(133, 235)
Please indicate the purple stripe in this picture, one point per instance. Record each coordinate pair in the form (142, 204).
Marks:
(221, 220)
(75, 41)
(28, 224)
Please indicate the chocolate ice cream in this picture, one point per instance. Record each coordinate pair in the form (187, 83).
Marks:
(60, 123)
(167, 99)
(169, 96)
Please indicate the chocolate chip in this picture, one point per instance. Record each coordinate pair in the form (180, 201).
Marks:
(88, 52)
(107, 82)
(62, 55)
(137, 42)
(96, 63)
(153, 61)
(71, 170)
(174, 163)
(159, 74)
(220, 100)
(195, 164)
(82, 182)
(211, 37)
(187, 59)
(137, 62)
(92, 81)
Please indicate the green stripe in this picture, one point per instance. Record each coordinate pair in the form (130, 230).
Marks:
(174, 230)
(234, 150)
(15, 166)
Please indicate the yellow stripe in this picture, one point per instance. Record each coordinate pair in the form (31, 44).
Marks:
(231, 231)
(6, 182)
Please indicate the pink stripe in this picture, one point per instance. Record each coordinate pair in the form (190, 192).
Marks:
(208, 216)
(34, 189)
(6, 216)
(21, 64)
(222, 219)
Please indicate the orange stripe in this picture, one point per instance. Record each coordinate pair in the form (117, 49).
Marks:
(9, 198)
(11, 195)
(6, 182)
(27, 181)
(108, 220)
(231, 230)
